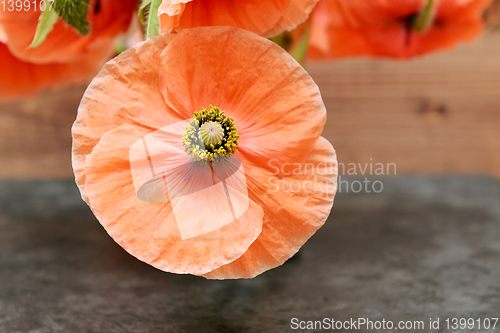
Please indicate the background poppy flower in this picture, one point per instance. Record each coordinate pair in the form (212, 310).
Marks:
(20, 78)
(264, 17)
(279, 116)
(65, 56)
(107, 19)
(387, 28)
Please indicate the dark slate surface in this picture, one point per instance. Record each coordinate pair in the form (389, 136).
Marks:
(424, 247)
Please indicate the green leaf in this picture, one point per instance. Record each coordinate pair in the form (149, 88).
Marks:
(45, 25)
(284, 40)
(74, 12)
(148, 13)
(143, 10)
(424, 18)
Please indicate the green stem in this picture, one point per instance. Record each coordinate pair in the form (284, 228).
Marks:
(300, 52)
(425, 17)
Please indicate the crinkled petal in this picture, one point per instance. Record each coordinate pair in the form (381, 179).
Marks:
(125, 91)
(264, 17)
(294, 207)
(296, 13)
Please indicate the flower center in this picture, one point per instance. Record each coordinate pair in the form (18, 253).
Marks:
(211, 136)
(211, 133)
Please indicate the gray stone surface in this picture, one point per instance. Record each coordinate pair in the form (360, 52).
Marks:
(426, 247)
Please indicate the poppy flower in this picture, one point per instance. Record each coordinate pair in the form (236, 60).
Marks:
(265, 17)
(392, 28)
(107, 18)
(200, 153)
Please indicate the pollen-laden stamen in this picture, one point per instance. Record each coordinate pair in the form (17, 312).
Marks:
(211, 136)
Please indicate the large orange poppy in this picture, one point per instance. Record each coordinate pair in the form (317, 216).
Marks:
(385, 28)
(264, 17)
(135, 133)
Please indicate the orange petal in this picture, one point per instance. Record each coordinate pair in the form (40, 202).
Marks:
(64, 43)
(21, 78)
(123, 92)
(295, 207)
(151, 231)
(276, 106)
(296, 13)
(264, 17)
(3, 35)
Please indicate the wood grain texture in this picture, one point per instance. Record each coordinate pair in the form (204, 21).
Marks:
(436, 114)
(35, 134)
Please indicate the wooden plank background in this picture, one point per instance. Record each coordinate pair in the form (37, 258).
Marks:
(436, 114)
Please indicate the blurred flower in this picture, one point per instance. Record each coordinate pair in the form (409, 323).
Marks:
(19, 78)
(65, 56)
(143, 117)
(399, 29)
(265, 17)
(107, 19)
